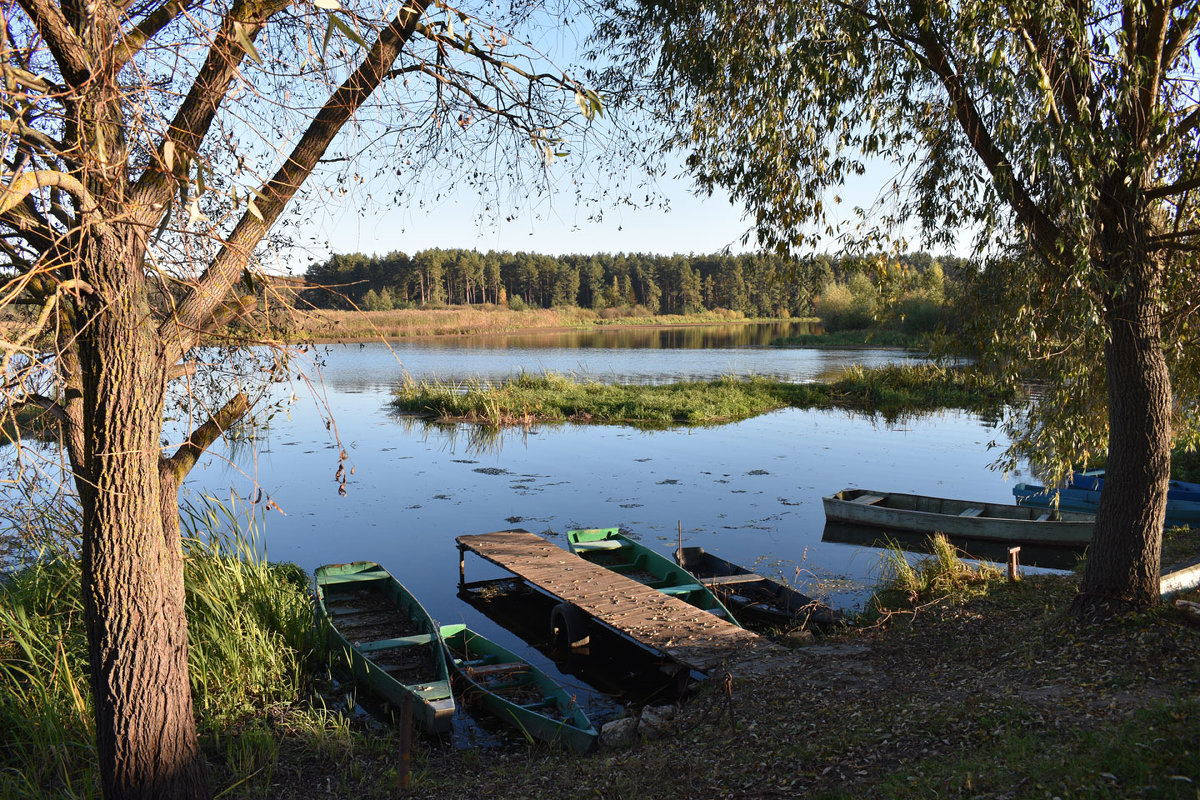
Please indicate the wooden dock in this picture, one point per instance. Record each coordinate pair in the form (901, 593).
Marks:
(664, 625)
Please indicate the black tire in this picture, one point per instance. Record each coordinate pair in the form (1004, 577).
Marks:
(569, 627)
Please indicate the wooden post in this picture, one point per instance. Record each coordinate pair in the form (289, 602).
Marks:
(680, 541)
(406, 722)
(1013, 553)
(462, 566)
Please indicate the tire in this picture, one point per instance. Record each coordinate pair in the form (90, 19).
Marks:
(569, 627)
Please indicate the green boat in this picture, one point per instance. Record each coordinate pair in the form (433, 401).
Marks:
(391, 643)
(606, 547)
(516, 692)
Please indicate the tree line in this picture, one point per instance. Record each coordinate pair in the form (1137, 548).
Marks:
(754, 284)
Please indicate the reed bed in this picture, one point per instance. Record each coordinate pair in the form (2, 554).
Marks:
(250, 627)
(481, 320)
(527, 399)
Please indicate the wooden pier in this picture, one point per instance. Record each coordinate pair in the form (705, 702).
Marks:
(664, 625)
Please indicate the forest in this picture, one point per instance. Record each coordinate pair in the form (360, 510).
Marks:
(845, 291)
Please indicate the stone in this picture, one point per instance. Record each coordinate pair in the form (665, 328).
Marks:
(619, 732)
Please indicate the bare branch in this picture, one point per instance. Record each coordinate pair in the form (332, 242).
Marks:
(181, 463)
(1181, 187)
(29, 182)
(183, 329)
(161, 17)
(69, 53)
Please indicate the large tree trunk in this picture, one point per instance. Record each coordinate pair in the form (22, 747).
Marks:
(1123, 564)
(132, 559)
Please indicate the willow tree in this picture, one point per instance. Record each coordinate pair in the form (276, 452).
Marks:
(150, 149)
(1066, 128)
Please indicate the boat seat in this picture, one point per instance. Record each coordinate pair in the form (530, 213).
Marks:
(683, 588)
(603, 544)
(399, 641)
(725, 580)
(545, 702)
(867, 499)
(971, 512)
(373, 575)
(495, 669)
(1043, 517)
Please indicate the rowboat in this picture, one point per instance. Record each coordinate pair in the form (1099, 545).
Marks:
(995, 522)
(389, 640)
(516, 692)
(1093, 479)
(754, 597)
(606, 547)
(1075, 498)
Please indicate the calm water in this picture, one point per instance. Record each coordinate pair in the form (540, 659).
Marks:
(750, 491)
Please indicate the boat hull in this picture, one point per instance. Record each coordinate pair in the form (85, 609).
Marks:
(755, 597)
(499, 680)
(1074, 498)
(362, 608)
(997, 522)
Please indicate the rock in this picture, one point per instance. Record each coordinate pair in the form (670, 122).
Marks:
(656, 722)
(798, 638)
(619, 732)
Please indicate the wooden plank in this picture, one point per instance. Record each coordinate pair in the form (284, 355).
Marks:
(726, 580)
(399, 641)
(666, 625)
(867, 499)
(971, 512)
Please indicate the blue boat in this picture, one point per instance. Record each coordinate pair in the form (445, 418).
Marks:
(1075, 498)
(1093, 479)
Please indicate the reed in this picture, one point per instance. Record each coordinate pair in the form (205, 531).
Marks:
(941, 574)
(250, 627)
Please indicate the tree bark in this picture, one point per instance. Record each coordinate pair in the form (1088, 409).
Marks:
(132, 558)
(1123, 563)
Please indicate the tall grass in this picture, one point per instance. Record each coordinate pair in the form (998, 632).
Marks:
(250, 627)
(941, 574)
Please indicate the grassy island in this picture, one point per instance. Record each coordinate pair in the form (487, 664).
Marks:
(527, 399)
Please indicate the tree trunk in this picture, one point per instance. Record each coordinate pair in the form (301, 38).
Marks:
(1123, 563)
(132, 558)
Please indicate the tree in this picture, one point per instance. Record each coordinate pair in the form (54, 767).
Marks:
(131, 213)
(1065, 129)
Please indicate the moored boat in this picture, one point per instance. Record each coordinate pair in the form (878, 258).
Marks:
(1076, 498)
(1015, 524)
(606, 547)
(389, 640)
(516, 692)
(1093, 480)
(755, 597)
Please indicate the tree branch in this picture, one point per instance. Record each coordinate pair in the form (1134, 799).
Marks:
(180, 464)
(144, 31)
(199, 108)
(27, 183)
(969, 119)
(183, 329)
(69, 53)
(1160, 192)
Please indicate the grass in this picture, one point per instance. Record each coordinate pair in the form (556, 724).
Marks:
(551, 397)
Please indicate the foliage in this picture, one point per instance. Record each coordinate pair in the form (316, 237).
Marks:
(751, 284)
(250, 625)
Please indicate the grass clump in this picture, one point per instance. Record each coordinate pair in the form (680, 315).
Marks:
(943, 574)
(526, 399)
(250, 627)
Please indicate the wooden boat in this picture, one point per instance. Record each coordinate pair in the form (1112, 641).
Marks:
(995, 522)
(606, 547)
(1093, 480)
(516, 692)
(387, 637)
(752, 596)
(1075, 498)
